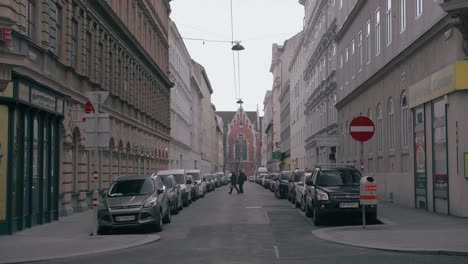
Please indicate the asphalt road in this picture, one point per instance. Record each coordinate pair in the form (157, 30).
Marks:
(253, 227)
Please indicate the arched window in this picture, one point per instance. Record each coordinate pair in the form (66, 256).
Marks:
(379, 128)
(391, 125)
(241, 148)
(404, 121)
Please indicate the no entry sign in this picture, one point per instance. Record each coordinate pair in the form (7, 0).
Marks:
(361, 128)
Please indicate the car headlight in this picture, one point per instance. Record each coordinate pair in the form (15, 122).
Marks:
(322, 196)
(150, 203)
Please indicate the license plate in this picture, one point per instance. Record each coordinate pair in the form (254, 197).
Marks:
(349, 205)
(125, 218)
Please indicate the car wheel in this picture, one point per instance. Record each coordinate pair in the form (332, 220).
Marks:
(167, 217)
(316, 217)
(308, 212)
(303, 205)
(158, 226)
(176, 208)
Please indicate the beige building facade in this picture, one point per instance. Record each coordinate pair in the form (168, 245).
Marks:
(58, 51)
(404, 66)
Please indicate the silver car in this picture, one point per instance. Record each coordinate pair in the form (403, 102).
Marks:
(181, 179)
(134, 201)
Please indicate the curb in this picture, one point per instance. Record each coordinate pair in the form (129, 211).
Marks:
(322, 234)
(149, 239)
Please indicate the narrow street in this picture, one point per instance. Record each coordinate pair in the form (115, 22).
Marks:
(251, 228)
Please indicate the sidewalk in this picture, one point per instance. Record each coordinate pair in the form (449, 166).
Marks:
(405, 230)
(67, 237)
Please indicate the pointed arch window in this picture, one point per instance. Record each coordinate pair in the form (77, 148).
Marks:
(241, 148)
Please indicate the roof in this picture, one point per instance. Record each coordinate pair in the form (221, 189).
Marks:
(227, 117)
(169, 172)
(138, 177)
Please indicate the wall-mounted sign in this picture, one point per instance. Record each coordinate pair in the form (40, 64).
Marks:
(43, 100)
(5, 33)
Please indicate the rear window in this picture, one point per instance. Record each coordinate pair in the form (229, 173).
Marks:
(339, 178)
(298, 176)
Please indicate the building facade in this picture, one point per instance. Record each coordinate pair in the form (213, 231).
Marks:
(182, 128)
(408, 74)
(267, 131)
(243, 140)
(321, 139)
(297, 102)
(58, 51)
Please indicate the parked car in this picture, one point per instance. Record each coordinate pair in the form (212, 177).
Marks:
(193, 188)
(209, 182)
(198, 181)
(273, 181)
(281, 189)
(181, 179)
(300, 191)
(174, 193)
(296, 177)
(134, 201)
(267, 180)
(335, 191)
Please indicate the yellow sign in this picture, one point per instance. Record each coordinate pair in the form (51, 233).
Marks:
(466, 165)
(449, 79)
(3, 160)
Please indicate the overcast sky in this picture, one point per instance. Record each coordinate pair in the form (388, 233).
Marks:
(257, 23)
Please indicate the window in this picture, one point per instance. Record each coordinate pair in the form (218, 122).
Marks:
(88, 53)
(419, 8)
(379, 128)
(74, 44)
(117, 77)
(404, 121)
(341, 4)
(352, 47)
(31, 19)
(360, 49)
(389, 22)
(368, 42)
(402, 15)
(341, 61)
(391, 124)
(377, 32)
(346, 55)
(99, 59)
(58, 29)
(111, 72)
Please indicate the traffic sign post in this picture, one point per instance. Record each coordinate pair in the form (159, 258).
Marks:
(97, 137)
(362, 129)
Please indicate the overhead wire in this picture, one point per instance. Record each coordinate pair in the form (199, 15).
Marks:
(233, 55)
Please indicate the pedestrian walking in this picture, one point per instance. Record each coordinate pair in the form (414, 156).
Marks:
(241, 180)
(233, 182)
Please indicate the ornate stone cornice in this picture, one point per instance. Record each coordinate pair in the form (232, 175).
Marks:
(323, 90)
(458, 11)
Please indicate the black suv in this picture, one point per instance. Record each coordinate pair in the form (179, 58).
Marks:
(335, 191)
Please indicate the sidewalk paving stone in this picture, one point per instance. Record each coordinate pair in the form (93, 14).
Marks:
(67, 237)
(405, 230)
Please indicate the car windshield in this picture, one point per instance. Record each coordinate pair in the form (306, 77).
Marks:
(286, 175)
(167, 182)
(339, 178)
(298, 176)
(131, 188)
(180, 178)
(195, 175)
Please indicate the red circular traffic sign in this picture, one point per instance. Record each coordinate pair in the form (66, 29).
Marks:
(361, 128)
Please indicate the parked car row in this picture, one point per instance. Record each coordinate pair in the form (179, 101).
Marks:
(322, 193)
(149, 201)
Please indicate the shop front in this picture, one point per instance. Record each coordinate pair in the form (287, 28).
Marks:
(438, 103)
(30, 115)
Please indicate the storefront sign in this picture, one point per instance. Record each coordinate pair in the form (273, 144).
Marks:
(5, 33)
(442, 82)
(42, 100)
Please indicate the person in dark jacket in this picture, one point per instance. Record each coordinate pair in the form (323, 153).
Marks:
(233, 182)
(241, 180)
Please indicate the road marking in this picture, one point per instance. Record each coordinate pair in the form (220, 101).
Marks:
(276, 252)
(253, 207)
(266, 215)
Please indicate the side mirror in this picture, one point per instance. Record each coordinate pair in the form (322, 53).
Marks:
(160, 191)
